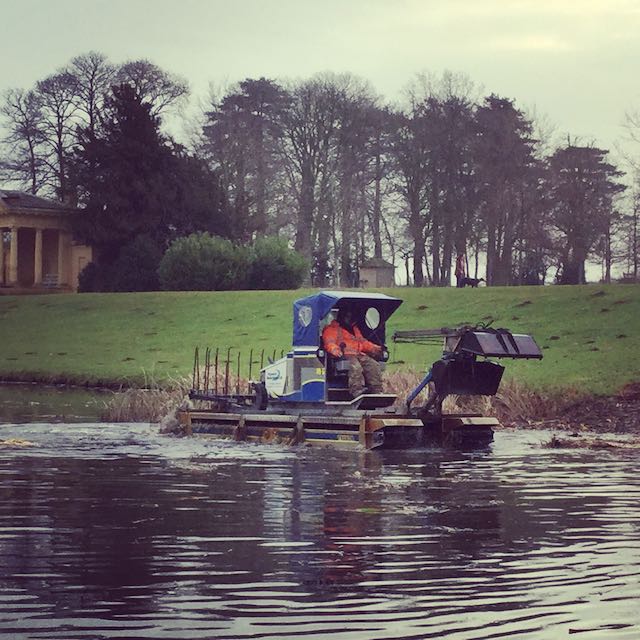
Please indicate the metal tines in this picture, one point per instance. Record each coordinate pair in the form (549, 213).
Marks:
(215, 374)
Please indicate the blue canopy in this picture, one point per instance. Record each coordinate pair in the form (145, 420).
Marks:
(310, 311)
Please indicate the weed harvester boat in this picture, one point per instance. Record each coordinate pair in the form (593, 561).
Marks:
(303, 396)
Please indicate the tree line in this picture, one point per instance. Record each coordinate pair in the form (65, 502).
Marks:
(325, 162)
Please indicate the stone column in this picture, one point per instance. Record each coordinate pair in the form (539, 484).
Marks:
(37, 259)
(61, 258)
(1, 256)
(13, 257)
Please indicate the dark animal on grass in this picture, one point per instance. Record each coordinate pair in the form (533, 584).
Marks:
(471, 282)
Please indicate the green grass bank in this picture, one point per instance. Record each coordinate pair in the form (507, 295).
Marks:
(589, 334)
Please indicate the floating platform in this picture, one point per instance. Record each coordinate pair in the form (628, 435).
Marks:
(367, 431)
(304, 397)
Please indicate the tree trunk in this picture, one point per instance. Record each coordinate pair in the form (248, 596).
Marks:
(491, 253)
(322, 229)
(607, 255)
(498, 266)
(445, 269)
(476, 258)
(261, 186)
(376, 213)
(447, 246)
(635, 242)
(62, 169)
(506, 259)
(416, 230)
(435, 250)
(347, 235)
(573, 266)
(305, 215)
(33, 172)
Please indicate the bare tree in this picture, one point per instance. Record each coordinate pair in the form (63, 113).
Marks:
(453, 200)
(410, 149)
(436, 173)
(152, 84)
(93, 76)
(379, 171)
(41, 122)
(632, 125)
(22, 116)
(310, 126)
(631, 222)
(56, 95)
(353, 159)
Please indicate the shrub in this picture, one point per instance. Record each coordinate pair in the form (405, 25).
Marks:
(273, 265)
(89, 279)
(136, 268)
(202, 262)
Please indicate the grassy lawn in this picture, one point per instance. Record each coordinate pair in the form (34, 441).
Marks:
(589, 333)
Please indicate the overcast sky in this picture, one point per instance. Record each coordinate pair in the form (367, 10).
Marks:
(576, 62)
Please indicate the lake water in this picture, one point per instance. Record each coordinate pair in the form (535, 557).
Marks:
(113, 531)
(28, 402)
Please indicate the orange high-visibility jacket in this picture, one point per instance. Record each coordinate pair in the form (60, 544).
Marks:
(334, 335)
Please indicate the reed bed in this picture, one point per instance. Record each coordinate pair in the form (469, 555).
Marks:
(514, 404)
(157, 400)
(141, 405)
(589, 441)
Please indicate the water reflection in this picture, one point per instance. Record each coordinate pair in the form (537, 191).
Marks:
(29, 402)
(111, 532)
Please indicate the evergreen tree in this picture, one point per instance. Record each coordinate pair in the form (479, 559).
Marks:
(506, 172)
(240, 138)
(134, 181)
(582, 188)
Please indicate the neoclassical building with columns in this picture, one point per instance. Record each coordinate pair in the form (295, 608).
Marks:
(37, 249)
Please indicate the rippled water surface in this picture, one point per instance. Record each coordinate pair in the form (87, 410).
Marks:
(117, 532)
(29, 402)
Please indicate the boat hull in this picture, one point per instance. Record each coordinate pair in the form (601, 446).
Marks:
(386, 431)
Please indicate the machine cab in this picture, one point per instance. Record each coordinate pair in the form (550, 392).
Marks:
(307, 373)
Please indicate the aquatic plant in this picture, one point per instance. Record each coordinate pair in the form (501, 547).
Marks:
(516, 403)
(157, 400)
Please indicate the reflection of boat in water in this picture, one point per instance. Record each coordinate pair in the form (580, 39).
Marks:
(304, 396)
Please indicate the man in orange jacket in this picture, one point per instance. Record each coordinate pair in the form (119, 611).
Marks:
(342, 338)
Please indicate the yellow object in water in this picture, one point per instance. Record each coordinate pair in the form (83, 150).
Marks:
(16, 442)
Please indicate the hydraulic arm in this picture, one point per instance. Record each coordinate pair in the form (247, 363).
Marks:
(465, 368)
